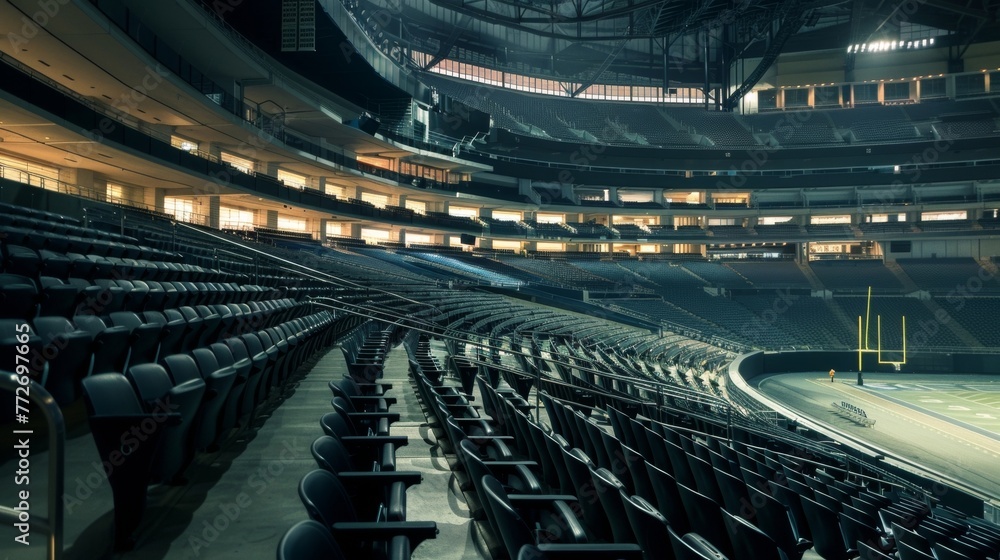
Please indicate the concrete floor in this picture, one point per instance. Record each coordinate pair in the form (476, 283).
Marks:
(240, 500)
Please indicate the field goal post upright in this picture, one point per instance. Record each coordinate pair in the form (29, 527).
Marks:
(863, 338)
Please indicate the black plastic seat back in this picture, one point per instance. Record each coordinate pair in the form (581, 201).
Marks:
(68, 351)
(649, 526)
(114, 409)
(748, 541)
(609, 492)
(309, 540)
(824, 526)
(325, 498)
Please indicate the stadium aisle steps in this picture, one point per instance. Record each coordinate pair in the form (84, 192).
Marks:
(437, 497)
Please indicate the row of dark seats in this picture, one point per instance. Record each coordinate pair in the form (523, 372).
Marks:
(27, 298)
(192, 398)
(62, 238)
(502, 490)
(356, 499)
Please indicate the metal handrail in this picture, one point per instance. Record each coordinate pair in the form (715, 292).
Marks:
(52, 525)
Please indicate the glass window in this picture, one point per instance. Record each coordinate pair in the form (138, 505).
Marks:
(897, 91)
(416, 206)
(970, 84)
(336, 229)
(375, 199)
(292, 179)
(937, 216)
(506, 216)
(418, 239)
(181, 209)
(235, 218)
(463, 212)
(115, 194)
(243, 164)
(376, 235)
(291, 224)
(182, 143)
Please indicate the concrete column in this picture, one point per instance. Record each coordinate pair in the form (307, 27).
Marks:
(322, 229)
(214, 203)
(271, 219)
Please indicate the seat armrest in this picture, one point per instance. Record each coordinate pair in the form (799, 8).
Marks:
(415, 531)
(396, 441)
(536, 501)
(409, 478)
(373, 398)
(391, 416)
(591, 551)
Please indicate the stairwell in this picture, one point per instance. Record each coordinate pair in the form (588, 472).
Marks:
(835, 311)
(932, 305)
(807, 271)
(909, 286)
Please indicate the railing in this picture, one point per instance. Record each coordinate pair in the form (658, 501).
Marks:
(52, 525)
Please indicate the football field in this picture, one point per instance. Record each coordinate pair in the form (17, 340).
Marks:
(974, 404)
(950, 423)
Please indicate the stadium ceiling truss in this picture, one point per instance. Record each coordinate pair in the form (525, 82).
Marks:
(666, 42)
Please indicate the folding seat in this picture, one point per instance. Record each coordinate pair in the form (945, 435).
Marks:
(910, 537)
(211, 326)
(377, 422)
(327, 501)
(265, 358)
(21, 260)
(157, 391)
(229, 318)
(649, 526)
(114, 409)
(277, 356)
(81, 266)
(948, 551)
(102, 268)
(732, 490)
(55, 264)
(692, 546)
(230, 416)
(867, 552)
(363, 448)
(514, 525)
(90, 297)
(793, 502)
(58, 298)
(824, 526)
(704, 478)
(67, 352)
(609, 492)
(863, 529)
(748, 541)
(387, 487)
(906, 551)
(171, 296)
(681, 466)
(774, 518)
(136, 295)
(351, 390)
(310, 540)
(255, 371)
(192, 326)
(202, 364)
(515, 476)
(18, 297)
(578, 465)
(144, 338)
(706, 518)
(110, 347)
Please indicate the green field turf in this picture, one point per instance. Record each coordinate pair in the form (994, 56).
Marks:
(976, 403)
